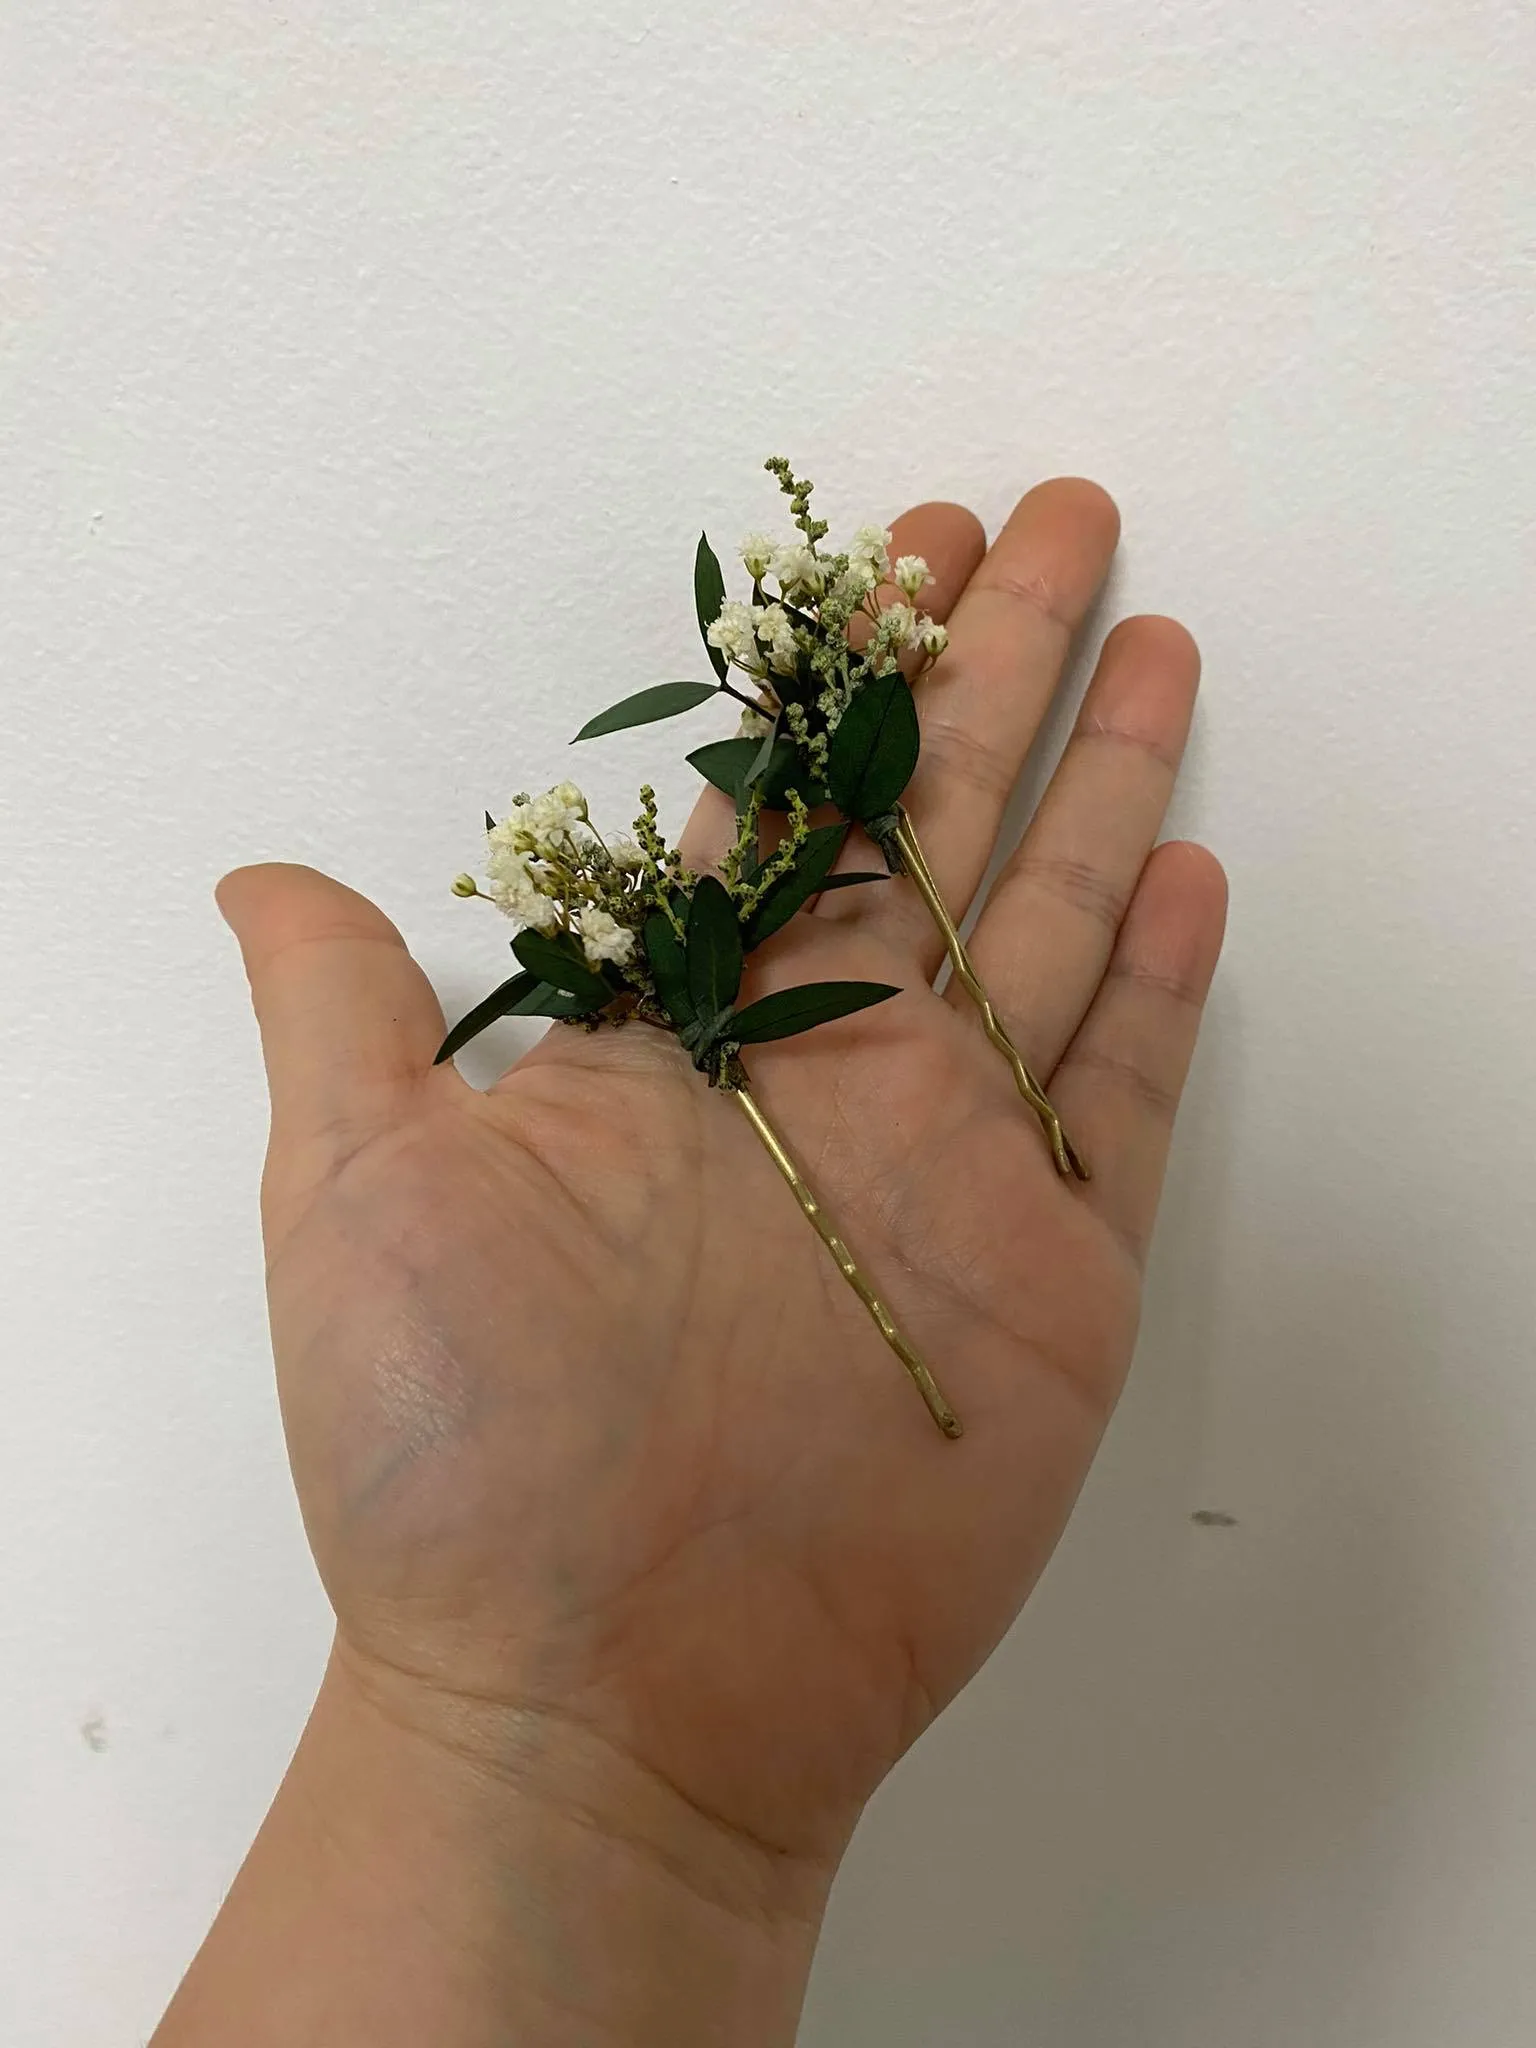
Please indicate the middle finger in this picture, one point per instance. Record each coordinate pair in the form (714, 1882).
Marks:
(982, 703)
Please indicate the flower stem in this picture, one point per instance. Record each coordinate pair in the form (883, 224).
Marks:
(938, 1407)
(1069, 1161)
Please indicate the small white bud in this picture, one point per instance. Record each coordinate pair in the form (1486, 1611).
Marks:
(933, 638)
(898, 625)
(757, 552)
(797, 569)
(465, 885)
(911, 574)
(869, 545)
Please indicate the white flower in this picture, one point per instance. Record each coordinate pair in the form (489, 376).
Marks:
(514, 890)
(603, 937)
(858, 579)
(898, 625)
(537, 824)
(515, 833)
(734, 633)
(911, 574)
(932, 637)
(757, 552)
(777, 633)
(753, 726)
(557, 813)
(627, 856)
(797, 568)
(869, 545)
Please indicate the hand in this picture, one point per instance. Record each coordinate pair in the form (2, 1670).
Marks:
(598, 1454)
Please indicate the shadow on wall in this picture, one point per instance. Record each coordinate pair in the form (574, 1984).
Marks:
(1163, 1815)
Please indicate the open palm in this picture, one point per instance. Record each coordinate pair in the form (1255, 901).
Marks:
(587, 1428)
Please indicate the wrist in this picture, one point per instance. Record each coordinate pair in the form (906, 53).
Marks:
(451, 1870)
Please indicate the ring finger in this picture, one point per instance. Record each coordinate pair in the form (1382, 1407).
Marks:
(1049, 928)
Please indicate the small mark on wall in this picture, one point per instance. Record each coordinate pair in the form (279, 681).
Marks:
(93, 1732)
(1213, 1518)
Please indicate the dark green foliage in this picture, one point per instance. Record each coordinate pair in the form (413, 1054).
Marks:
(713, 947)
(874, 750)
(791, 891)
(525, 995)
(794, 1010)
(662, 700)
(854, 880)
(664, 950)
(727, 764)
(558, 959)
(708, 597)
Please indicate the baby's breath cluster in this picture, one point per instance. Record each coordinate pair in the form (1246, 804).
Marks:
(814, 628)
(549, 869)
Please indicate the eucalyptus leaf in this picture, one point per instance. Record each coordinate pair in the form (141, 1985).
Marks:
(854, 880)
(661, 700)
(804, 880)
(793, 1010)
(560, 963)
(761, 760)
(727, 763)
(548, 1001)
(501, 1002)
(525, 995)
(875, 748)
(664, 950)
(713, 950)
(708, 597)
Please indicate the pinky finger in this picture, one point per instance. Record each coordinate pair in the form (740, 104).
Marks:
(1119, 1081)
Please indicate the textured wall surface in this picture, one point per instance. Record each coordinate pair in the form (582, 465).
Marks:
(343, 348)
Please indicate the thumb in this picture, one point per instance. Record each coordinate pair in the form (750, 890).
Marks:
(348, 1021)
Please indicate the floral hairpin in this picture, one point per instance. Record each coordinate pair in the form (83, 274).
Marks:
(615, 930)
(827, 712)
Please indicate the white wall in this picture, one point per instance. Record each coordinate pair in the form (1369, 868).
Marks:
(342, 346)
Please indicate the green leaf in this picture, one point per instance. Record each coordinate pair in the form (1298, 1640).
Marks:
(758, 767)
(523, 996)
(708, 597)
(560, 963)
(854, 880)
(664, 950)
(547, 1001)
(809, 874)
(501, 1002)
(874, 749)
(662, 700)
(713, 950)
(794, 1010)
(727, 763)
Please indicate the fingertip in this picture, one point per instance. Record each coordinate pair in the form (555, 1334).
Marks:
(268, 903)
(1166, 640)
(1195, 865)
(959, 523)
(1184, 896)
(1088, 500)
